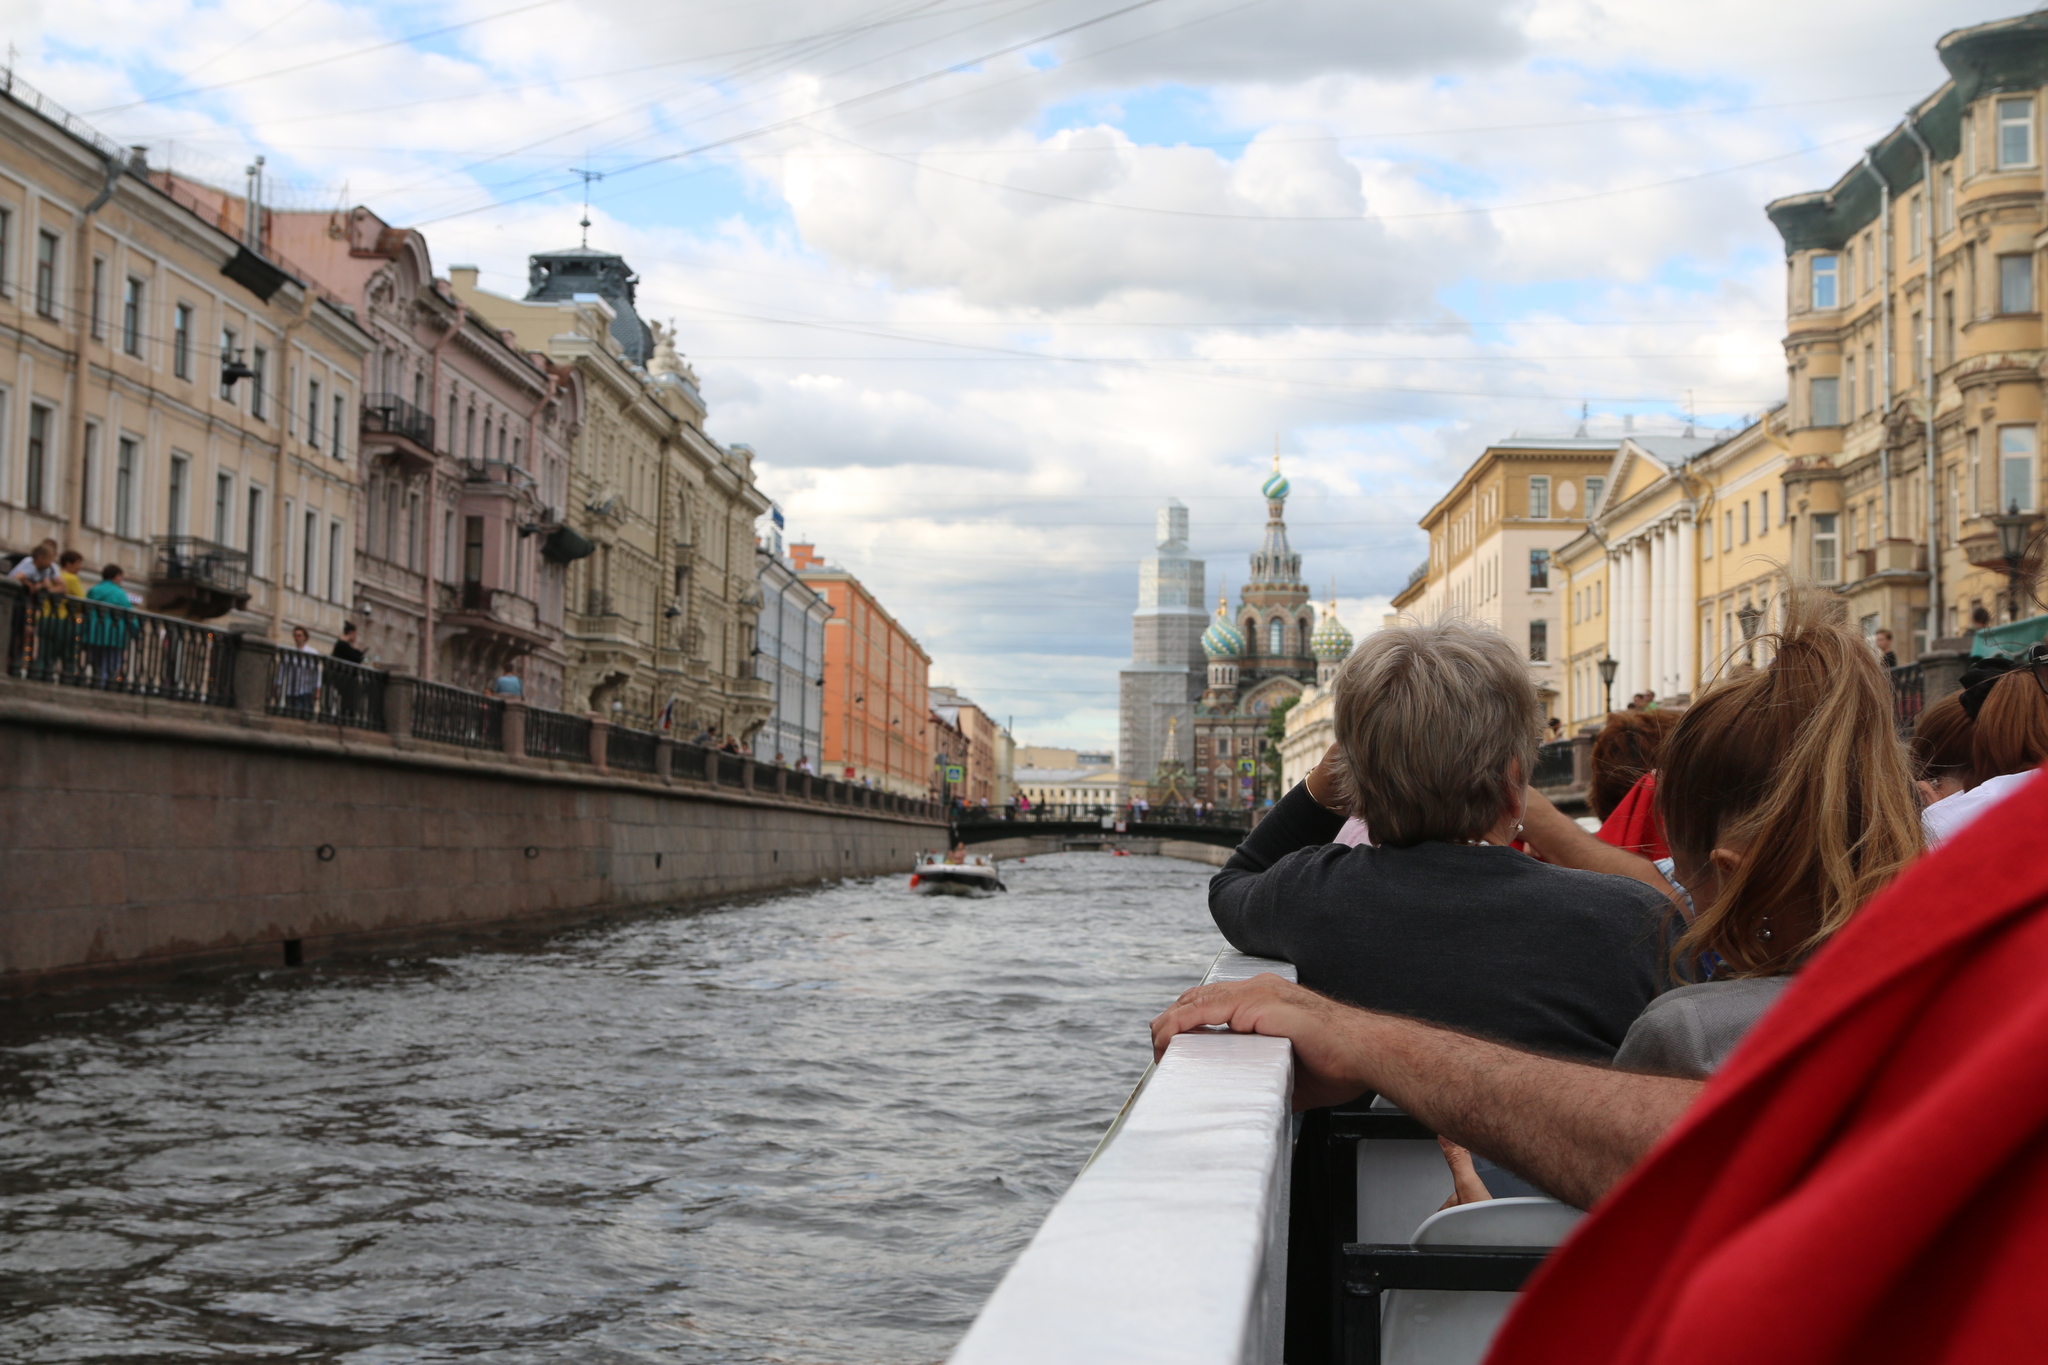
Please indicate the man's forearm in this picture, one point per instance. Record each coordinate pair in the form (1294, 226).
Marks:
(1567, 1127)
(1559, 838)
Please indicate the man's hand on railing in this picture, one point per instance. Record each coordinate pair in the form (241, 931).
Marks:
(1327, 1069)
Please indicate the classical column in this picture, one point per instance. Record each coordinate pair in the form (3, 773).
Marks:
(1689, 609)
(1660, 611)
(1617, 617)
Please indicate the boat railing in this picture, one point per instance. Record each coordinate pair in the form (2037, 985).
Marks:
(1172, 1242)
(1209, 1229)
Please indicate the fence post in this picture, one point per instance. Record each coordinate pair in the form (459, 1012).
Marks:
(664, 758)
(13, 600)
(782, 781)
(711, 766)
(600, 740)
(255, 666)
(513, 727)
(1941, 673)
(747, 773)
(1582, 762)
(401, 695)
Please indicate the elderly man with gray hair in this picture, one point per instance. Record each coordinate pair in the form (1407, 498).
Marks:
(1437, 917)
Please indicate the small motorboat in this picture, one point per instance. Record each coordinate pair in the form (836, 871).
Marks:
(976, 878)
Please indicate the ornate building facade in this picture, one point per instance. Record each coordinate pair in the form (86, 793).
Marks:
(1258, 655)
(660, 621)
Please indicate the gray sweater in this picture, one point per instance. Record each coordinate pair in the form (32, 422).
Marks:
(1691, 1031)
(1482, 939)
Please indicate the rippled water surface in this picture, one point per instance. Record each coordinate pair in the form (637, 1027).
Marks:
(813, 1127)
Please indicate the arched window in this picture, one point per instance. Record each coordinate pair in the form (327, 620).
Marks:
(1251, 634)
(1306, 634)
(1276, 638)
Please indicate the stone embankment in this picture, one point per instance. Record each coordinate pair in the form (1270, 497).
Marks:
(142, 835)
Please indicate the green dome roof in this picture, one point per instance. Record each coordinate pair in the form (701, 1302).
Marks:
(1331, 642)
(1275, 485)
(1222, 640)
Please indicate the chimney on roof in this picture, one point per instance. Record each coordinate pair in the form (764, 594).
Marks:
(138, 159)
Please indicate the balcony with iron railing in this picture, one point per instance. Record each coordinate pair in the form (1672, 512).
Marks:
(196, 578)
(409, 429)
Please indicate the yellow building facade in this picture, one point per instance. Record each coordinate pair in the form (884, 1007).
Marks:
(1914, 347)
(170, 400)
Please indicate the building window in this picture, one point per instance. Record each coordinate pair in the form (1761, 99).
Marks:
(259, 363)
(38, 455)
(1763, 512)
(1825, 281)
(126, 460)
(1916, 228)
(340, 416)
(1948, 200)
(1539, 568)
(1276, 639)
(1827, 558)
(2016, 468)
(224, 508)
(1727, 532)
(1539, 497)
(309, 583)
(46, 274)
(2016, 283)
(1539, 642)
(1869, 378)
(1973, 454)
(181, 341)
(227, 353)
(334, 561)
(88, 474)
(313, 413)
(98, 302)
(1919, 330)
(181, 469)
(1822, 400)
(6, 249)
(254, 545)
(2015, 133)
(1596, 484)
(131, 316)
(1745, 523)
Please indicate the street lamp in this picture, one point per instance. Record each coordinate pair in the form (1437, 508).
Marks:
(2012, 543)
(1609, 666)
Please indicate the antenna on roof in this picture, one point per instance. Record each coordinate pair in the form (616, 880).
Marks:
(588, 176)
(1584, 409)
(1690, 416)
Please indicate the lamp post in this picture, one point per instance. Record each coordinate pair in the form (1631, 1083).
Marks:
(2012, 543)
(1609, 665)
(1750, 618)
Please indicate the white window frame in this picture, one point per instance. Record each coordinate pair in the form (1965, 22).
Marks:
(2015, 116)
(1827, 548)
(2018, 477)
(334, 560)
(1825, 269)
(127, 484)
(1539, 497)
(1824, 401)
(253, 500)
(2007, 293)
(178, 494)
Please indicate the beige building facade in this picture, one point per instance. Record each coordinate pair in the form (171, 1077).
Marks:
(153, 376)
(660, 616)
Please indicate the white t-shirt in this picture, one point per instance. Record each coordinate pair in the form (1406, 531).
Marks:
(1946, 818)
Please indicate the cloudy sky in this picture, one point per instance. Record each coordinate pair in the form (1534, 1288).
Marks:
(983, 281)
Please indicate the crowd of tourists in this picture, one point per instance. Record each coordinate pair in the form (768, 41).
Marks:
(1776, 1022)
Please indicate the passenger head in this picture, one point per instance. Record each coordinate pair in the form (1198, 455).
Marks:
(1438, 726)
(1785, 796)
(2012, 725)
(1941, 748)
(112, 573)
(1627, 747)
(70, 560)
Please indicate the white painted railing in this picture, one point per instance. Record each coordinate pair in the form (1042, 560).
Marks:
(1171, 1246)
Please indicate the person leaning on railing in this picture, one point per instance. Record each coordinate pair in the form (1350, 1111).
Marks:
(1788, 804)
(1439, 918)
(106, 633)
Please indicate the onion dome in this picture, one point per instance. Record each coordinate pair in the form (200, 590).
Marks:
(1331, 642)
(1222, 640)
(1275, 486)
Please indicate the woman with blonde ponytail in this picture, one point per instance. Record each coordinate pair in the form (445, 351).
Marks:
(1787, 800)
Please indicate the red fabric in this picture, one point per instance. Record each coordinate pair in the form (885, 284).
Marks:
(1866, 1180)
(1633, 824)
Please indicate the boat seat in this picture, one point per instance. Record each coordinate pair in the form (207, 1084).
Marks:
(1455, 1326)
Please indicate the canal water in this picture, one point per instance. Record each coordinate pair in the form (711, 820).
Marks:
(811, 1127)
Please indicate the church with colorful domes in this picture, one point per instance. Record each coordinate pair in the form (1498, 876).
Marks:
(1265, 650)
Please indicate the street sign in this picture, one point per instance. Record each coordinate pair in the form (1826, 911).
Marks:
(1247, 766)
(954, 772)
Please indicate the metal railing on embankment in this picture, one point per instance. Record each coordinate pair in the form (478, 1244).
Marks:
(80, 643)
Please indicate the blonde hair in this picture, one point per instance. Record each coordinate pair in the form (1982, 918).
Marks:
(1430, 719)
(2011, 735)
(1798, 765)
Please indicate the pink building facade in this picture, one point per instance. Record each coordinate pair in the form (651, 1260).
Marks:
(465, 438)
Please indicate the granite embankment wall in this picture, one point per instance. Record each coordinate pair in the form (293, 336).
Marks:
(141, 837)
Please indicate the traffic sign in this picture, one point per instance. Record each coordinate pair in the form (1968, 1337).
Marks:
(954, 772)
